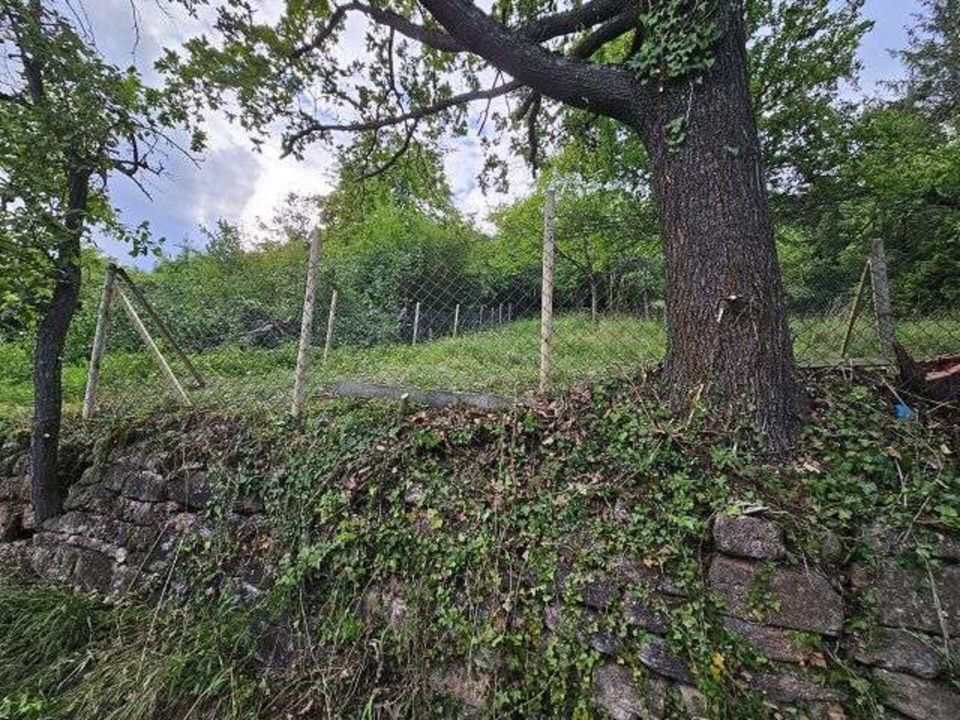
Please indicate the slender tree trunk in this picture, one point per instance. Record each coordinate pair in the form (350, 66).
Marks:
(728, 343)
(46, 488)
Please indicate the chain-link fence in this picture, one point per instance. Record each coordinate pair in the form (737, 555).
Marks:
(459, 311)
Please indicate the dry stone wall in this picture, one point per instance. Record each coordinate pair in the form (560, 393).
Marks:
(123, 523)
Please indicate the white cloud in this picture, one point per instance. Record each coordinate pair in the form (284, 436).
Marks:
(233, 181)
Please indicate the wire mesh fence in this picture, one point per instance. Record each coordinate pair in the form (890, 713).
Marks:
(463, 312)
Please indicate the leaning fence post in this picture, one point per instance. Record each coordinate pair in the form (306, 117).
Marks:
(881, 299)
(854, 310)
(154, 349)
(165, 332)
(546, 294)
(456, 319)
(306, 326)
(416, 322)
(331, 319)
(99, 344)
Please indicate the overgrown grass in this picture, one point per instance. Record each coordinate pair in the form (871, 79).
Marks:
(63, 655)
(503, 360)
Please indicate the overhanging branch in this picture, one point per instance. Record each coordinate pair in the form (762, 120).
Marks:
(312, 126)
(604, 89)
(539, 30)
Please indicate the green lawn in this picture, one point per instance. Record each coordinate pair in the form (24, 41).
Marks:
(503, 360)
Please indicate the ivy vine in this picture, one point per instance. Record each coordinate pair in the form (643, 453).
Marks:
(676, 41)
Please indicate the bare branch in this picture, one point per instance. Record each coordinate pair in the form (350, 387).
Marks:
(312, 126)
(436, 39)
(575, 20)
(401, 151)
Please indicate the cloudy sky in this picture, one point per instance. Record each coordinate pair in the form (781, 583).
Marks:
(235, 183)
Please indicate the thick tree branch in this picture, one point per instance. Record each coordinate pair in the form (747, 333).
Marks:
(608, 32)
(540, 30)
(603, 89)
(436, 39)
(575, 20)
(585, 48)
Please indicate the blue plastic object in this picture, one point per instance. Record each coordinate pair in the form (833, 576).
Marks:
(903, 412)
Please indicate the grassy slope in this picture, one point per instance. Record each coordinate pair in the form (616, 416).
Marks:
(502, 360)
(468, 517)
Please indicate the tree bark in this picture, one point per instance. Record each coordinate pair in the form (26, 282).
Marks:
(46, 488)
(728, 342)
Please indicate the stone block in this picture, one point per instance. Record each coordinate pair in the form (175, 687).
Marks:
(192, 491)
(143, 486)
(773, 643)
(906, 598)
(749, 537)
(622, 697)
(902, 651)
(791, 688)
(917, 698)
(797, 600)
(656, 654)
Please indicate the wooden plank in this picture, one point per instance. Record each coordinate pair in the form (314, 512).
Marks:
(331, 319)
(881, 299)
(162, 326)
(306, 326)
(855, 310)
(99, 344)
(430, 398)
(154, 349)
(546, 294)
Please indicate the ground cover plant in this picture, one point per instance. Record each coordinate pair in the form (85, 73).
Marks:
(408, 542)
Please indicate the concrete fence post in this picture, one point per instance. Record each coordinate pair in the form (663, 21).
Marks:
(306, 326)
(546, 294)
(881, 299)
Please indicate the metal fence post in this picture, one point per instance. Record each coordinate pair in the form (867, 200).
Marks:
(881, 299)
(546, 294)
(456, 319)
(306, 326)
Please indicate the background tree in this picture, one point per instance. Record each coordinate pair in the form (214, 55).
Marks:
(68, 121)
(674, 72)
(933, 61)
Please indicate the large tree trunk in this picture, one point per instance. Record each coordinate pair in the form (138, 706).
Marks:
(46, 488)
(728, 343)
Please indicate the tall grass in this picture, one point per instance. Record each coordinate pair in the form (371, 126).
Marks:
(64, 655)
